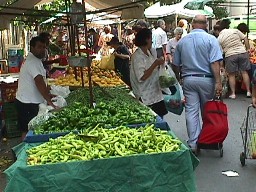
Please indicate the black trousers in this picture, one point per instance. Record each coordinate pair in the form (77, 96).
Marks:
(26, 112)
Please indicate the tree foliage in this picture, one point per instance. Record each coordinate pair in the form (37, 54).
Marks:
(219, 11)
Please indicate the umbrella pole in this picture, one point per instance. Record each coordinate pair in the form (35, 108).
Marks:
(248, 15)
(88, 57)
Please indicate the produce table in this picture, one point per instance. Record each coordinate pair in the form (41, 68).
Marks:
(171, 171)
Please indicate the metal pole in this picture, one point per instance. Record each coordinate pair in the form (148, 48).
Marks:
(248, 15)
(88, 56)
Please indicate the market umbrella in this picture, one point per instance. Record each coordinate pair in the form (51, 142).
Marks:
(157, 11)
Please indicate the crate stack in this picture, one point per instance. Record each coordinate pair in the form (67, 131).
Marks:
(15, 59)
(8, 94)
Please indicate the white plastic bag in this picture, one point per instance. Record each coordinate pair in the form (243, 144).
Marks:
(59, 101)
(166, 79)
(60, 90)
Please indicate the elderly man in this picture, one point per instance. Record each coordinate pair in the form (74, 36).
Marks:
(199, 54)
(159, 38)
(32, 89)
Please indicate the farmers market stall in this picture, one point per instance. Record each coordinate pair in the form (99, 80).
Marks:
(154, 169)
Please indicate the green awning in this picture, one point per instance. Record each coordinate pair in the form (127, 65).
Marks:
(196, 4)
(169, 2)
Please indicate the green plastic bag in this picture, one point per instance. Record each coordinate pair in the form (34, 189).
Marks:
(173, 102)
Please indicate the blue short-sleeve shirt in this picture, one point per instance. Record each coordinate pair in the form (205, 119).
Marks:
(196, 52)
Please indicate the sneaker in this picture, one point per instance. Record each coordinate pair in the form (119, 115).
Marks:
(248, 95)
(232, 97)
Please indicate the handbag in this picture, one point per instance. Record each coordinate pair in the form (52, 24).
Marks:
(174, 102)
(215, 122)
(107, 62)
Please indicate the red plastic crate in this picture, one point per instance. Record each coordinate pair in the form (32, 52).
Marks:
(8, 91)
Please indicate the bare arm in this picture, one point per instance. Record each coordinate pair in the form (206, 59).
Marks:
(41, 86)
(247, 44)
(254, 95)
(50, 62)
(122, 56)
(150, 70)
(169, 56)
(216, 72)
(176, 70)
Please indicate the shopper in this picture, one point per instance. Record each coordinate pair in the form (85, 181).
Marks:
(199, 54)
(243, 28)
(32, 89)
(105, 37)
(46, 62)
(172, 43)
(94, 37)
(254, 95)
(216, 31)
(122, 59)
(159, 38)
(184, 25)
(236, 56)
(144, 73)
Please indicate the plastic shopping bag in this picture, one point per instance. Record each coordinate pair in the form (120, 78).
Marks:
(165, 78)
(174, 102)
(107, 62)
(59, 101)
(60, 90)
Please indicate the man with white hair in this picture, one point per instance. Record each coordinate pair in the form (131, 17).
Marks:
(199, 54)
(159, 38)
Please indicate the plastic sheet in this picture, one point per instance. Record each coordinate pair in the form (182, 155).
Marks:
(173, 171)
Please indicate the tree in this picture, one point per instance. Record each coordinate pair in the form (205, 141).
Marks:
(219, 11)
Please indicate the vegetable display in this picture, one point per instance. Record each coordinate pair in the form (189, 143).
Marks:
(80, 117)
(166, 81)
(114, 107)
(98, 143)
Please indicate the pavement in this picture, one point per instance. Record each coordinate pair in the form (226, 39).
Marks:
(208, 174)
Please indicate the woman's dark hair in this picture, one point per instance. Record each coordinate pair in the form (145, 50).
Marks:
(243, 28)
(142, 36)
(36, 39)
(92, 30)
(224, 24)
(216, 28)
(45, 35)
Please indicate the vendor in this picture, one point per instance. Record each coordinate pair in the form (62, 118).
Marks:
(122, 58)
(32, 89)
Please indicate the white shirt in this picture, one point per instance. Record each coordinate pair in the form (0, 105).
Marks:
(159, 38)
(149, 90)
(27, 89)
(231, 42)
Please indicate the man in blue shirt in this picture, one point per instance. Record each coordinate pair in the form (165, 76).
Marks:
(198, 56)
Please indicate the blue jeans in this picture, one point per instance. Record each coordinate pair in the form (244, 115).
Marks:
(197, 91)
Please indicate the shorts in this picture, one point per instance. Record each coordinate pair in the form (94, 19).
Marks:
(159, 108)
(236, 63)
(26, 112)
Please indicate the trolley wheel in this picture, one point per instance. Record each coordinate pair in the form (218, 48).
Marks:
(221, 152)
(242, 159)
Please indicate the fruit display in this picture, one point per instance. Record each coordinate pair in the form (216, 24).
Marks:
(252, 54)
(99, 143)
(80, 117)
(104, 78)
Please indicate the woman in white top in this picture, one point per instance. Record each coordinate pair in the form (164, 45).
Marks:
(144, 73)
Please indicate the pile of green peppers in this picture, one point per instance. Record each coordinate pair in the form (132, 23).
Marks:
(79, 117)
(99, 143)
